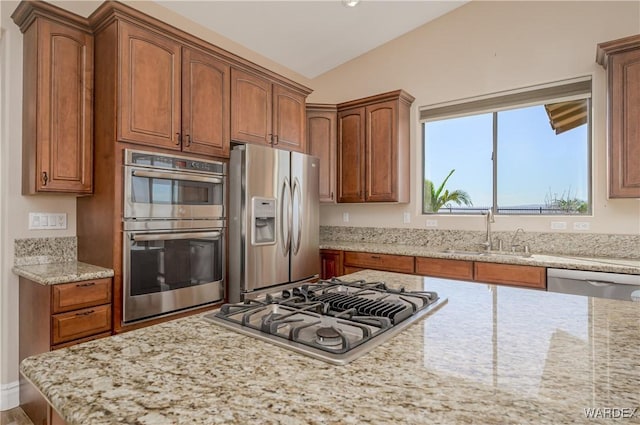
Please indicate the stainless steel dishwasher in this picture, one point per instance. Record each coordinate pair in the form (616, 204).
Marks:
(594, 284)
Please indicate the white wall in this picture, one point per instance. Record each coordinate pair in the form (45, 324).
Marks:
(14, 207)
(481, 48)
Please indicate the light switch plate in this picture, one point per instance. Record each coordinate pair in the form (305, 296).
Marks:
(345, 217)
(432, 223)
(53, 221)
(558, 225)
(406, 218)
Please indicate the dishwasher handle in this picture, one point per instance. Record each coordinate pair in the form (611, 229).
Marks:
(599, 283)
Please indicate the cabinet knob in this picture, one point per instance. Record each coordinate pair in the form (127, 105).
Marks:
(45, 178)
(275, 138)
(187, 139)
(85, 313)
(83, 285)
(178, 138)
(332, 196)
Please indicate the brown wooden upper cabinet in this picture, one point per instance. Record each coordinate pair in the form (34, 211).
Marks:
(171, 96)
(621, 58)
(373, 148)
(264, 112)
(321, 142)
(57, 100)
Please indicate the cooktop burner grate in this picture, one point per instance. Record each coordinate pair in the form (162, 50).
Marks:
(360, 306)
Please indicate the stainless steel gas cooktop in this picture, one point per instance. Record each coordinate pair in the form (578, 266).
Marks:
(331, 320)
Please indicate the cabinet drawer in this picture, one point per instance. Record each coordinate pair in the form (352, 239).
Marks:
(392, 263)
(453, 269)
(75, 295)
(80, 323)
(533, 277)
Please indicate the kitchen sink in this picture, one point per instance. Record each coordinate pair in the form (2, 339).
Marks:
(486, 253)
(462, 252)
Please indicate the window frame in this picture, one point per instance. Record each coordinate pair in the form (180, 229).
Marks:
(556, 92)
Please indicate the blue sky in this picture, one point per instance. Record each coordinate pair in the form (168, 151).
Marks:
(532, 160)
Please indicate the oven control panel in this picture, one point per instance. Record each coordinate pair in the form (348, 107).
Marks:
(173, 162)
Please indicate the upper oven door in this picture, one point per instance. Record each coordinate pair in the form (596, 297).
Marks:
(165, 194)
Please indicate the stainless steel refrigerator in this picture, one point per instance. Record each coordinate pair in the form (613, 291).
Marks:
(273, 220)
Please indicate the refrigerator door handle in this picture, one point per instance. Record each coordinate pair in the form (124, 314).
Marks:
(297, 191)
(285, 239)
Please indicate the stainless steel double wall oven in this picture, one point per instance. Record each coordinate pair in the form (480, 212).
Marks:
(174, 233)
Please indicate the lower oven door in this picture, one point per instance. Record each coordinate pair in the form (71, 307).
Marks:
(171, 271)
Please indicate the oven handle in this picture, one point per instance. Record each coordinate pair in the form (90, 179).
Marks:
(173, 236)
(175, 176)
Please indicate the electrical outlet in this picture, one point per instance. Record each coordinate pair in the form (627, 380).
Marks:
(581, 225)
(345, 217)
(432, 223)
(558, 225)
(406, 218)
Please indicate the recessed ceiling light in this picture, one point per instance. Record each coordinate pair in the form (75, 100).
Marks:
(350, 3)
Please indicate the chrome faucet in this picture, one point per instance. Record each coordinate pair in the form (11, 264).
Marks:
(515, 235)
(487, 243)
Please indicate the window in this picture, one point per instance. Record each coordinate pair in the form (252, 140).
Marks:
(521, 152)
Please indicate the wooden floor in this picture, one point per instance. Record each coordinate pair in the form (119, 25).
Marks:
(14, 417)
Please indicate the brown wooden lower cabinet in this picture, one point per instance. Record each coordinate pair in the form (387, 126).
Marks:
(58, 316)
(511, 274)
(386, 262)
(330, 263)
(498, 273)
(442, 267)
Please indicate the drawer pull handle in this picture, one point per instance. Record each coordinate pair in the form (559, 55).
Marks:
(84, 285)
(376, 257)
(86, 313)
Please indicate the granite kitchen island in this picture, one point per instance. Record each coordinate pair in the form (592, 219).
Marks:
(491, 354)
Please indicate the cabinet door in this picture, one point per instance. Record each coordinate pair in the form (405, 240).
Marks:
(624, 125)
(510, 274)
(351, 155)
(288, 119)
(442, 267)
(386, 262)
(64, 128)
(150, 88)
(331, 263)
(250, 108)
(381, 152)
(321, 141)
(205, 104)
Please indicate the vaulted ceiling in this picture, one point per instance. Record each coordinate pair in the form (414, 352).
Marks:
(311, 37)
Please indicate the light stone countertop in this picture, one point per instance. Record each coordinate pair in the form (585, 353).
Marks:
(611, 265)
(490, 355)
(55, 273)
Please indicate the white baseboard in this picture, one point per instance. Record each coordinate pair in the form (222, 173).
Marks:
(9, 395)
